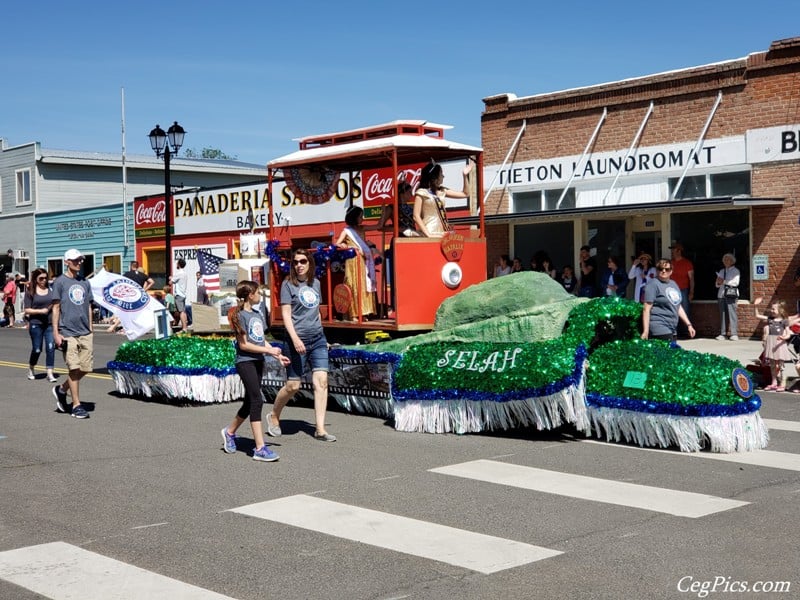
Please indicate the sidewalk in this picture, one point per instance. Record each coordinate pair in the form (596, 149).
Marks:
(745, 350)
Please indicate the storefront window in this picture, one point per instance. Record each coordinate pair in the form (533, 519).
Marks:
(543, 200)
(731, 184)
(527, 201)
(154, 265)
(692, 187)
(551, 199)
(712, 186)
(706, 237)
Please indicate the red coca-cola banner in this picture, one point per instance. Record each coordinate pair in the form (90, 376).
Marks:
(149, 217)
(379, 188)
(151, 212)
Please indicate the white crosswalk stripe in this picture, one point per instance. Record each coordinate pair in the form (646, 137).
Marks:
(61, 571)
(758, 458)
(673, 502)
(475, 551)
(782, 425)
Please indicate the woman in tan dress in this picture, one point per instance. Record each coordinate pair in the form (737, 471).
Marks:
(359, 272)
(429, 210)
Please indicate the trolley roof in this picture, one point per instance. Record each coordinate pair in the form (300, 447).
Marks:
(373, 147)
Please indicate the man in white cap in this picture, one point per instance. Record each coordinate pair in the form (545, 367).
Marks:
(72, 331)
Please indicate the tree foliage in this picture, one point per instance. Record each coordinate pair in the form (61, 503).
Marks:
(209, 153)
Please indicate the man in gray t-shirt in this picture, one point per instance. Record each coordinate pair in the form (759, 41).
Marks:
(72, 331)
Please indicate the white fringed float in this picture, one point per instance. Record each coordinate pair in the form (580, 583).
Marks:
(463, 377)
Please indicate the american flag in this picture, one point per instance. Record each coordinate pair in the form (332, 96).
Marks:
(209, 269)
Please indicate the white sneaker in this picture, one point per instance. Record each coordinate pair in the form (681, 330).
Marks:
(720, 337)
(31, 376)
(734, 338)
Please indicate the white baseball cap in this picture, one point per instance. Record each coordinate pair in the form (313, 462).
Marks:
(73, 254)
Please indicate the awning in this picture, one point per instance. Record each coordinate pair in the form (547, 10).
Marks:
(608, 212)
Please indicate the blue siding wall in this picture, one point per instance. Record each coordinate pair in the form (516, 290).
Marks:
(97, 231)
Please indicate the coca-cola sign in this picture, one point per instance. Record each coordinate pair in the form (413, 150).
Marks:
(380, 189)
(150, 213)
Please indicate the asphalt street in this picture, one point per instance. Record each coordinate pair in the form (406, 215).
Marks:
(143, 486)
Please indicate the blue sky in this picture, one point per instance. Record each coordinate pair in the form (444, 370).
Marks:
(248, 77)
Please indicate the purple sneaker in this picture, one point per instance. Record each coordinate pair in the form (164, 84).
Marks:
(228, 441)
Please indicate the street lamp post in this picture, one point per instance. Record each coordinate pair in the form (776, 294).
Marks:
(158, 142)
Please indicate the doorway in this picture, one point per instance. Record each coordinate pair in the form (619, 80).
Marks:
(606, 238)
(647, 241)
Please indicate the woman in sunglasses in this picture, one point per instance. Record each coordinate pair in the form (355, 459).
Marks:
(38, 306)
(300, 299)
(662, 306)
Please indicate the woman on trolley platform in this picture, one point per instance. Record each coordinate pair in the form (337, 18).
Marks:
(429, 209)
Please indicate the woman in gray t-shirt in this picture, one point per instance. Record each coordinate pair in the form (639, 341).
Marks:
(306, 343)
(662, 306)
(38, 305)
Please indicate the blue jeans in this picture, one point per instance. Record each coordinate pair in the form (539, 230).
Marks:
(316, 354)
(39, 334)
(682, 329)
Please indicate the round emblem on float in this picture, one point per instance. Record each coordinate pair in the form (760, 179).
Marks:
(742, 383)
(342, 297)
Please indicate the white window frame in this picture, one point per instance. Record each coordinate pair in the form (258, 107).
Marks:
(20, 199)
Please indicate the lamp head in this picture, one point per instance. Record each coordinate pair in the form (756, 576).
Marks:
(158, 139)
(175, 134)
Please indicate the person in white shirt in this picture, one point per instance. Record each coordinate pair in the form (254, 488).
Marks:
(728, 296)
(178, 281)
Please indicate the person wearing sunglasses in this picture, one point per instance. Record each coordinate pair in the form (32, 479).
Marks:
(300, 300)
(72, 331)
(662, 306)
(38, 307)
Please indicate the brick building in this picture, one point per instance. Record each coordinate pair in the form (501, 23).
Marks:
(708, 156)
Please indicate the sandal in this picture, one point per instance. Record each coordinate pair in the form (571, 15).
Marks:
(771, 388)
(780, 388)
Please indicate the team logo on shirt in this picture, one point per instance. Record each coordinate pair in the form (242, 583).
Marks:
(255, 330)
(308, 297)
(673, 295)
(125, 295)
(77, 295)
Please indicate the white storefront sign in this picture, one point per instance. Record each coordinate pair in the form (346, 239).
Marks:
(650, 160)
(227, 209)
(773, 144)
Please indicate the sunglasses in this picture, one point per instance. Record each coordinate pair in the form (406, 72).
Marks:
(302, 261)
(668, 269)
(43, 278)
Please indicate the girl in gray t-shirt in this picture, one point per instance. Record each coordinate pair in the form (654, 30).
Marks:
(251, 346)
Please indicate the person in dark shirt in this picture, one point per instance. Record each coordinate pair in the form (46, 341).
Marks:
(588, 267)
(138, 275)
